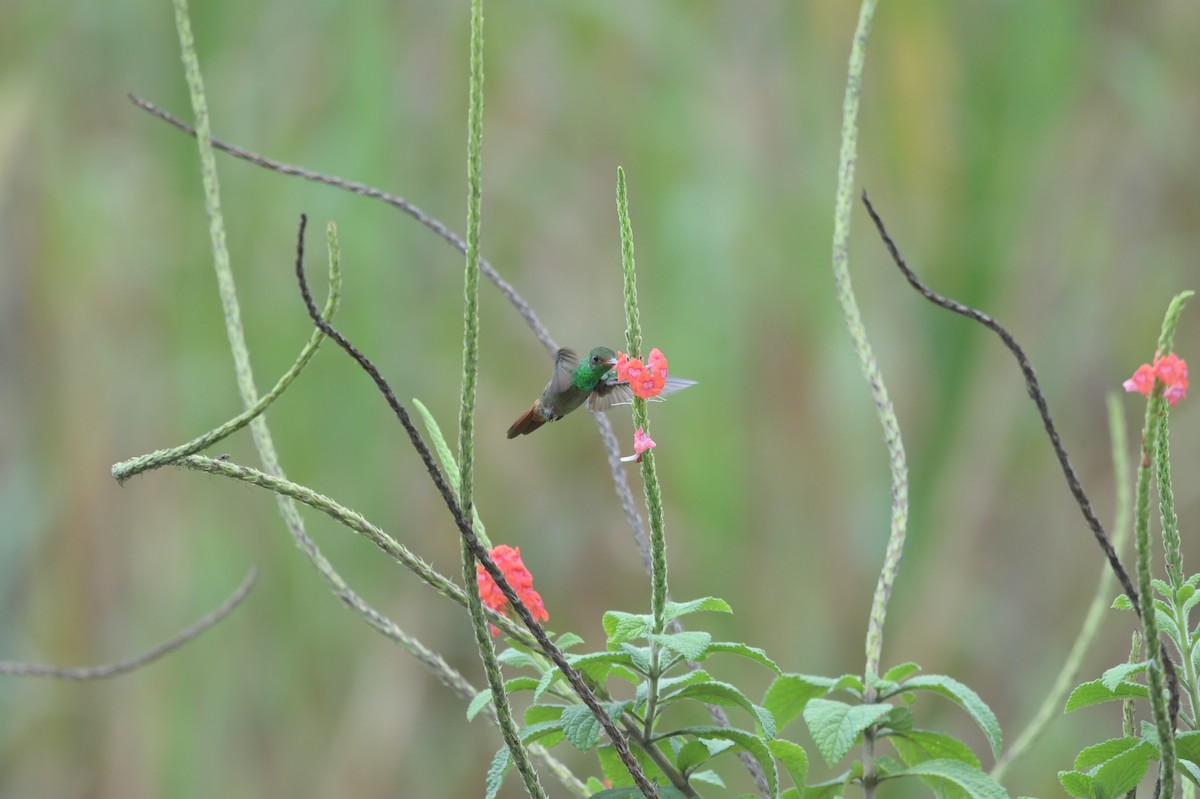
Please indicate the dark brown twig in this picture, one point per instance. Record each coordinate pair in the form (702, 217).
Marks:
(363, 190)
(620, 744)
(19, 669)
(1035, 393)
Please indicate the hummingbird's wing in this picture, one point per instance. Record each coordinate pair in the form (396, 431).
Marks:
(565, 361)
(609, 394)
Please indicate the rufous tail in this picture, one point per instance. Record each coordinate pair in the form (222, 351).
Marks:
(531, 420)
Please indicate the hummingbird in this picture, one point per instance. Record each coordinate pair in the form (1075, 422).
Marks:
(593, 380)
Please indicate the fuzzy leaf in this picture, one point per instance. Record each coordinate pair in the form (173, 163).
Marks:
(1076, 783)
(1187, 746)
(748, 741)
(518, 659)
(742, 650)
(1123, 772)
(616, 773)
(902, 672)
(690, 645)
(568, 640)
(691, 755)
(544, 684)
(966, 698)
(1095, 693)
(709, 603)
(536, 714)
(788, 695)
(1120, 603)
(917, 746)
(496, 771)
(793, 758)
(835, 726)
(621, 627)
(1098, 753)
(639, 657)
(968, 778)
(1117, 674)
(478, 703)
(581, 727)
(714, 692)
(711, 777)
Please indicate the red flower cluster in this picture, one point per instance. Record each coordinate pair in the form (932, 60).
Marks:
(1170, 369)
(646, 379)
(509, 560)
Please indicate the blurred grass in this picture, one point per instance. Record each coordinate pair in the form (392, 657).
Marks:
(1036, 159)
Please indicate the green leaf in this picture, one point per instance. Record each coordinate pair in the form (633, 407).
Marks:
(787, 696)
(917, 746)
(970, 779)
(568, 640)
(713, 692)
(1095, 693)
(835, 726)
(621, 627)
(639, 657)
(598, 666)
(518, 659)
(1190, 770)
(691, 755)
(1161, 587)
(593, 785)
(1190, 601)
(690, 645)
(1120, 603)
(495, 773)
(535, 714)
(902, 672)
(829, 789)
(1187, 746)
(709, 776)
(793, 758)
(966, 698)
(1184, 593)
(1117, 674)
(1166, 622)
(750, 652)
(1098, 753)
(850, 682)
(1123, 772)
(709, 603)
(742, 739)
(1076, 783)
(541, 731)
(616, 773)
(581, 727)
(899, 719)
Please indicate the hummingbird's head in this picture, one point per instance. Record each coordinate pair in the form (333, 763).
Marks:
(598, 363)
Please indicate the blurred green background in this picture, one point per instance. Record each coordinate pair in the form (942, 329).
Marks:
(1037, 159)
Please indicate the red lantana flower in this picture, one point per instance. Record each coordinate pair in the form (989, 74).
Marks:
(509, 560)
(1170, 369)
(646, 379)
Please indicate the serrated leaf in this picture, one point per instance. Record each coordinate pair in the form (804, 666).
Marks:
(794, 759)
(714, 692)
(1190, 601)
(1120, 603)
(835, 726)
(598, 666)
(1161, 587)
(850, 682)
(1123, 772)
(616, 773)
(1098, 753)
(496, 771)
(917, 746)
(742, 739)
(581, 727)
(541, 731)
(568, 640)
(1166, 623)
(1190, 770)
(1117, 674)
(536, 714)
(543, 685)
(749, 652)
(478, 703)
(691, 755)
(1095, 693)
(1076, 783)
(789, 693)
(1184, 594)
(899, 719)
(970, 779)
(709, 776)
(690, 644)
(829, 789)
(711, 604)
(639, 657)
(621, 627)
(518, 659)
(902, 672)
(1187, 746)
(965, 698)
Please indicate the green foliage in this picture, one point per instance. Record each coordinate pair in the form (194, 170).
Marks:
(968, 778)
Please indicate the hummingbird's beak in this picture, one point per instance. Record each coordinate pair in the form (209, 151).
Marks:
(611, 362)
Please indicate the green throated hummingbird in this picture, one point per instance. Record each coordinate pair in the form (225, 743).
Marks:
(593, 380)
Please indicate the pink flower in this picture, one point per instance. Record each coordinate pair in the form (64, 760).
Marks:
(1142, 381)
(509, 560)
(641, 443)
(646, 379)
(1170, 369)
